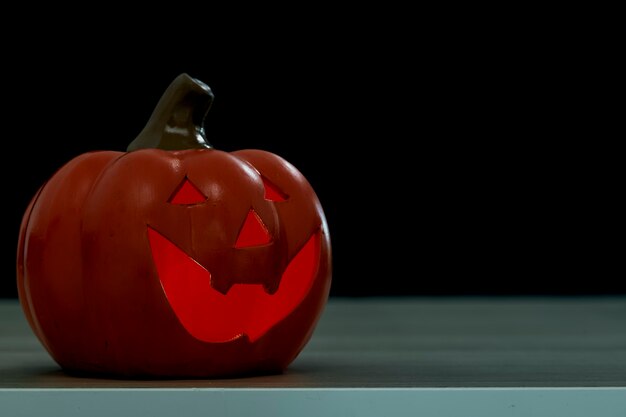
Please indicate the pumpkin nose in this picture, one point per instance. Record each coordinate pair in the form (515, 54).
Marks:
(253, 232)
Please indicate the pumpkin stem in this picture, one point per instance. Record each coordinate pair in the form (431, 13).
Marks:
(178, 119)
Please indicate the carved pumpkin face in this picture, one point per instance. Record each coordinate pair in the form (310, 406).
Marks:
(221, 244)
(190, 262)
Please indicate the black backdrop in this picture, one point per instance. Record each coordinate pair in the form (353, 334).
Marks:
(453, 167)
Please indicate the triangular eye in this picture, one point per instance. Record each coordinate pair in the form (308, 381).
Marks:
(272, 192)
(187, 193)
(253, 232)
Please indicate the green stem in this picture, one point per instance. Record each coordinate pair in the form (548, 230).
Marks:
(178, 119)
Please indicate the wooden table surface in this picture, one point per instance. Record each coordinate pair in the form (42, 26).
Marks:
(402, 342)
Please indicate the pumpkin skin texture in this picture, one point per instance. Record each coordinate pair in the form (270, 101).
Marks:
(174, 263)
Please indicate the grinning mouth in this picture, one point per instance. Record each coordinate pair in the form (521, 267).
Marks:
(246, 310)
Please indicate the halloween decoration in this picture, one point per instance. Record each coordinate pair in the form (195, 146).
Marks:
(174, 259)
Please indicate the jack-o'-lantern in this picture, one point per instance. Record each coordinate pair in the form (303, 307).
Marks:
(173, 258)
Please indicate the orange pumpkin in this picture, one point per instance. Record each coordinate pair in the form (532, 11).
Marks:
(174, 259)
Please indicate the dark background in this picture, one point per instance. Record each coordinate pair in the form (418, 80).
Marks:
(462, 162)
